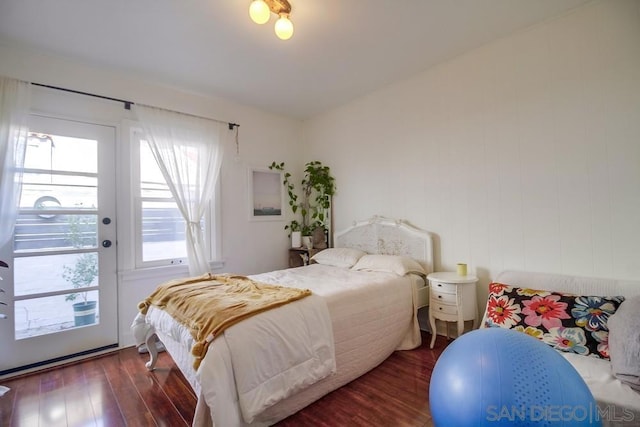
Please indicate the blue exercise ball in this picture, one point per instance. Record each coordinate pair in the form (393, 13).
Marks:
(500, 377)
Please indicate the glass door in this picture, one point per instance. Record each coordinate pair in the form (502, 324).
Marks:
(60, 286)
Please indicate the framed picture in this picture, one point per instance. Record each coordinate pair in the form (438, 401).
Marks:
(266, 194)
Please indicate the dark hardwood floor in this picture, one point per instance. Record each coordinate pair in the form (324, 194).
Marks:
(117, 390)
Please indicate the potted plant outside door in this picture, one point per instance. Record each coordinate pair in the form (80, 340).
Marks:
(83, 272)
(81, 275)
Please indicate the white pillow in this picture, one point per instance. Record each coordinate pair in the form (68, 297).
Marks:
(338, 257)
(400, 265)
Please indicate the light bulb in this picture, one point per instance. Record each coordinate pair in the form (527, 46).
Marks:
(284, 27)
(259, 12)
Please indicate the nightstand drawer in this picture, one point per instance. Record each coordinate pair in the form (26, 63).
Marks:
(447, 288)
(439, 297)
(443, 308)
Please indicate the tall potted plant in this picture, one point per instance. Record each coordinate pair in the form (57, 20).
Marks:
(317, 187)
(81, 275)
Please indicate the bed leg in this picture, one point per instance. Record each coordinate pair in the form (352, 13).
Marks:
(153, 352)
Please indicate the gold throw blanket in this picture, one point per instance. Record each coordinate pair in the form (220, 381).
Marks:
(209, 304)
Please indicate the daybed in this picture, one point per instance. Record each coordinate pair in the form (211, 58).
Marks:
(600, 364)
(371, 303)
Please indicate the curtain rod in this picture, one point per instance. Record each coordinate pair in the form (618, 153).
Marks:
(127, 104)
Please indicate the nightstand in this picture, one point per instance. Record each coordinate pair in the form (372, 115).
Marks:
(295, 258)
(452, 298)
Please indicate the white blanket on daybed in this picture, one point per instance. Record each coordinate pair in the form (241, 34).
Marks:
(270, 357)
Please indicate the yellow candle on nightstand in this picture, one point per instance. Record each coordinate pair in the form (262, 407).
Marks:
(462, 269)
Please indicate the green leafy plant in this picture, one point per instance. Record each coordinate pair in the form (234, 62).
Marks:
(317, 186)
(81, 275)
(85, 270)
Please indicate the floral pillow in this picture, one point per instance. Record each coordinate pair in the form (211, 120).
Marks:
(566, 322)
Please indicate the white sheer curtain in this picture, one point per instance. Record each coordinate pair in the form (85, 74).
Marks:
(15, 98)
(189, 153)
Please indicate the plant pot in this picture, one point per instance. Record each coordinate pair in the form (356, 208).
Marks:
(84, 313)
(296, 239)
(307, 242)
(319, 238)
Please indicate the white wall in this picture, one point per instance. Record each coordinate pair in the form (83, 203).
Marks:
(522, 154)
(247, 247)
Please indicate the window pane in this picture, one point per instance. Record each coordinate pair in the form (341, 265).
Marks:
(49, 231)
(51, 177)
(152, 183)
(58, 191)
(61, 153)
(40, 316)
(163, 231)
(48, 273)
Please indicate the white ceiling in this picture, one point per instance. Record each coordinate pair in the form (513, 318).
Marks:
(341, 49)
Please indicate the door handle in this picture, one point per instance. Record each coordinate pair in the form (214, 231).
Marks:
(106, 243)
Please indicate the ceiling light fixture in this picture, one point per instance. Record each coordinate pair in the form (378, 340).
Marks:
(260, 11)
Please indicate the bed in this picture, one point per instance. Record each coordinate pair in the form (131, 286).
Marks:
(371, 304)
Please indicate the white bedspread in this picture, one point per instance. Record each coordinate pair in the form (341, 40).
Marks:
(245, 370)
(372, 314)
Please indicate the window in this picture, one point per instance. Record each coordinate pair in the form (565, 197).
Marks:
(160, 237)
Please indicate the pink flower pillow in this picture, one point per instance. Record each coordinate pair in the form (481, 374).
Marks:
(566, 322)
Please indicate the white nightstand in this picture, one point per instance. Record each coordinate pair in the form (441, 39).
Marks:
(452, 298)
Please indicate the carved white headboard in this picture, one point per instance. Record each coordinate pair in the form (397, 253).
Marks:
(379, 235)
